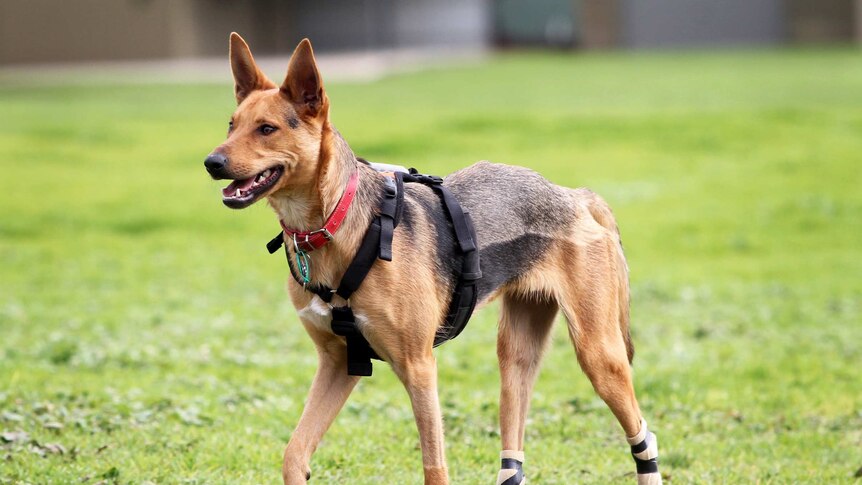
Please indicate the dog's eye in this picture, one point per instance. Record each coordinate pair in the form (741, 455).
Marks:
(266, 129)
(230, 126)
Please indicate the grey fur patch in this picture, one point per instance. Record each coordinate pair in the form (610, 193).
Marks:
(507, 201)
(517, 214)
(503, 262)
(408, 219)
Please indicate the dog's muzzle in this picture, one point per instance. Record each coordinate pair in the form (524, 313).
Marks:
(216, 165)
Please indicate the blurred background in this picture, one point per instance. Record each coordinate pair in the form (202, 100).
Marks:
(145, 334)
(46, 31)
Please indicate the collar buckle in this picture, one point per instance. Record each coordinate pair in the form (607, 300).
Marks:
(317, 238)
(324, 231)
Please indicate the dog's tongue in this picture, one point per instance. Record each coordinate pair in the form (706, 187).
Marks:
(237, 184)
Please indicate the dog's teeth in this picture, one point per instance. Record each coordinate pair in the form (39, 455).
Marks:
(265, 174)
(237, 193)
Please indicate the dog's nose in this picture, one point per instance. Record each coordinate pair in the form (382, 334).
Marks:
(215, 163)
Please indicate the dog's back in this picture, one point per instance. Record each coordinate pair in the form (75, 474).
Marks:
(523, 220)
(517, 214)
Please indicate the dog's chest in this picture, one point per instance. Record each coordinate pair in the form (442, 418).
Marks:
(318, 314)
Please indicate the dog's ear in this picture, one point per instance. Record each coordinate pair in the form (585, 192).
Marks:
(303, 85)
(246, 75)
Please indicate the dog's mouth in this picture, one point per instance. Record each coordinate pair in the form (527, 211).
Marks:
(245, 192)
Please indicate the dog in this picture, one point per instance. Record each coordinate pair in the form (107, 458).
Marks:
(543, 249)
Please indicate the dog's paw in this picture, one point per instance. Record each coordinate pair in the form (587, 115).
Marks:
(295, 475)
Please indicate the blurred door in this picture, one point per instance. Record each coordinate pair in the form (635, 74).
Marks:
(535, 22)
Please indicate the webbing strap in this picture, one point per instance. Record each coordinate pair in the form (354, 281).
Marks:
(463, 232)
(362, 262)
(464, 295)
(377, 243)
(458, 218)
(359, 353)
(460, 308)
(392, 196)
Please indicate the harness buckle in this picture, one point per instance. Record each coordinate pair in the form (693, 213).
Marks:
(334, 292)
(430, 179)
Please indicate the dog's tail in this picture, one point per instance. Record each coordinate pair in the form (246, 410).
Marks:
(602, 214)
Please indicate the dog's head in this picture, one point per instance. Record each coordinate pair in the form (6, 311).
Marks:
(274, 136)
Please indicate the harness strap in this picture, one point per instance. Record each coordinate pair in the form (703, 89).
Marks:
(362, 262)
(465, 294)
(459, 219)
(377, 243)
(359, 353)
(374, 244)
(389, 215)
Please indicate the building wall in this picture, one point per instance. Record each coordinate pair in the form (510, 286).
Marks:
(600, 24)
(447, 23)
(46, 30)
(857, 27)
(75, 30)
(370, 24)
(537, 22)
(821, 21)
(672, 23)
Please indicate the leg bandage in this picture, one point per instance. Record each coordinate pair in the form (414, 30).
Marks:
(645, 452)
(511, 468)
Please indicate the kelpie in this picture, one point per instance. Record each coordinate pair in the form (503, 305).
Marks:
(542, 248)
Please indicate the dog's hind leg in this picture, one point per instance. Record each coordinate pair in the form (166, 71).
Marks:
(525, 324)
(594, 298)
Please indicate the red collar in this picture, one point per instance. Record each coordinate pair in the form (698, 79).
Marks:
(311, 240)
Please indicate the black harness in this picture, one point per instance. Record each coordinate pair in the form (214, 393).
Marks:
(377, 244)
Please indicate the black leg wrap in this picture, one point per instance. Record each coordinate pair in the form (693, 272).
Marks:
(644, 466)
(512, 464)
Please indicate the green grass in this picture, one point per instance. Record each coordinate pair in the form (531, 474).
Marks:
(144, 328)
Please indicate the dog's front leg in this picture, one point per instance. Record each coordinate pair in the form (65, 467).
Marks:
(419, 376)
(329, 391)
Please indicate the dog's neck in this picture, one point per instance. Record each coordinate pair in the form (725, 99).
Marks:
(307, 208)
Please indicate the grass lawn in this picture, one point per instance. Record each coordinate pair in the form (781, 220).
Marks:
(146, 331)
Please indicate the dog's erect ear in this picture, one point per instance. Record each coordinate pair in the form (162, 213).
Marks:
(303, 85)
(246, 75)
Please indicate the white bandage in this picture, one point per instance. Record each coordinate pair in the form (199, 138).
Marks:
(505, 475)
(649, 479)
(640, 436)
(512, 455)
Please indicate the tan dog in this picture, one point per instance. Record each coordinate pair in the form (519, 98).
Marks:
(543, 248)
